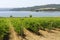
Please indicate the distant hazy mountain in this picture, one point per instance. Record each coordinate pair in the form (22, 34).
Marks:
(57, 6)
(44, 7)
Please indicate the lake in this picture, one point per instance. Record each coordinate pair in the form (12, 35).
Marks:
(27, 13)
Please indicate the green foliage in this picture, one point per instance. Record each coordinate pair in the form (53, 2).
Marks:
(30, 16)
(4, 29)
(33, 24)
(17, 25)
(11, 16)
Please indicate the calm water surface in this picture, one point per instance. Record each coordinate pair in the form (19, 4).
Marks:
(27, 13)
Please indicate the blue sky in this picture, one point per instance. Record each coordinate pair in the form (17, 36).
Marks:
(25, 3)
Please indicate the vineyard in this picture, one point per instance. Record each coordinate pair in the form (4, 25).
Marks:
(32, 25)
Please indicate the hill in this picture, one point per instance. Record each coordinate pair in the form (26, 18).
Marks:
(49, 7)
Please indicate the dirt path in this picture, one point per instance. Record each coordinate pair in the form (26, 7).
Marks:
(50, 36)
(13, 34)
(31, 36)
(46, 35)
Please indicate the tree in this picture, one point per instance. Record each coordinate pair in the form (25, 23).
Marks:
(30, 16)
(11, 16)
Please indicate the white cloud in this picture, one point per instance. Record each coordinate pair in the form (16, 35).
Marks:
(25, 3)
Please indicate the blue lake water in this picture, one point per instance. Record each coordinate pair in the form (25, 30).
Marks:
(27, 13)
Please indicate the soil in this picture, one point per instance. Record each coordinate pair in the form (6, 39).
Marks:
(54, 35)
(13, 34)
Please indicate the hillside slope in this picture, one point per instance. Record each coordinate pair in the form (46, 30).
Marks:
(57, 6)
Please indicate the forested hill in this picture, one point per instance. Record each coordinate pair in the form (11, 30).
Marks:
(57, 6)
(34, 8)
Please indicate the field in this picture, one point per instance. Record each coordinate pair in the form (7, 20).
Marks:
(22, 27)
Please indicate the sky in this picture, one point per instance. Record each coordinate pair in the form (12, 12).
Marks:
(25, 3)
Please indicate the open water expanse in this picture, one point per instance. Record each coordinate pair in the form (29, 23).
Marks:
(27, 13)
